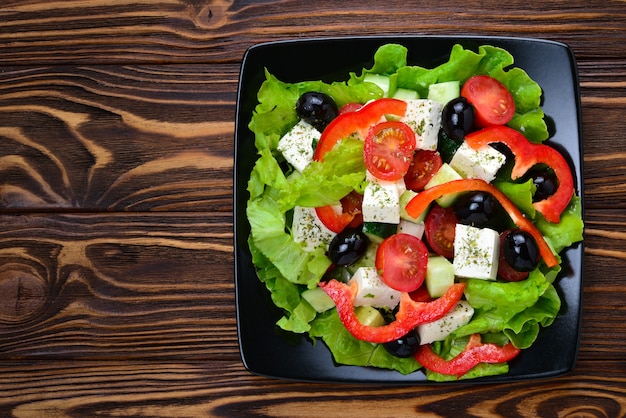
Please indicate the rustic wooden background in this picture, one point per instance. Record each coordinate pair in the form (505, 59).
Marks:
(116, 218)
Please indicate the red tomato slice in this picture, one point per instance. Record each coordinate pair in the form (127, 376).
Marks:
(439, 228)
(332, 220)
(492, 101)
(351, 213)
(505, 270)
(353, 204)
(350, 107)
(357, 122)
(421, 295)
(423, 167)
(388, 150)
(402, 261)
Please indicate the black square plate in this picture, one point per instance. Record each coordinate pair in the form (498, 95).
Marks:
(269, 352)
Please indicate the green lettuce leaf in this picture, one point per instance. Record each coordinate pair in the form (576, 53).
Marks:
(519, 193)
(568, 231)
(270, 237)
(389, 58)
(524, 327)
(342, 171)
(284, 294)
(348, 350)
(515, 308)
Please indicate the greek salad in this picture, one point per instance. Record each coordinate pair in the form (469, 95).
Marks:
(412, 218)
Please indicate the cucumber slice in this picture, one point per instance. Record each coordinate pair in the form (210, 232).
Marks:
(318, 299)
(381, 81)
(444, 92)
(444, 175)
(369, 316)
(439, 276)
(378, 231)
(405, 198)
(406, 94)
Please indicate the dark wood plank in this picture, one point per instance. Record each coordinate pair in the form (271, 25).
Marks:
(224, 389)
(117, 138)
(199, 31)
(111, 286)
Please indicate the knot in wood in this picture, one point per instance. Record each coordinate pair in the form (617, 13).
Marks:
(22, 292)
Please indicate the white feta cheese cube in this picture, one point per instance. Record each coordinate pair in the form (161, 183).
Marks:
(381, 200)
(373, 291)
(482, 163)
(424, 117)
(476, 252)
(297, 145)
(438, 330)
(308, 229)
(412, 228)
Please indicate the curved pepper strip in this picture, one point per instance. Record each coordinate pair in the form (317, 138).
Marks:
(528, 154)
(410, 313)
(420, 203)
(474, 353)
(359, 122)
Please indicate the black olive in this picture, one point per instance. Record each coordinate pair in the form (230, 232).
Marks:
(520, 250)
(348, 246)
(317, 108)
(544, 180)
(339, 273)
(405, 346)
(457, 118)
(479, 209)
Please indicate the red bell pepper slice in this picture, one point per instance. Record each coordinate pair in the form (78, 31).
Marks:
(332, 220)
(410, 313)
(528, 154)
(475, 352)
(359, 122)
(420, 203)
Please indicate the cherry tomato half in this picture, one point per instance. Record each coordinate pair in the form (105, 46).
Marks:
(492, 101)
(421, 295)
(350, 107)
(357, 122)
(402, 260)
(439, 228)
(423, 167)
(353, 204)
(351, 214)
(388, 150)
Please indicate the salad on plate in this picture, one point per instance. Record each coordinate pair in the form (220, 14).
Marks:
(412, 218)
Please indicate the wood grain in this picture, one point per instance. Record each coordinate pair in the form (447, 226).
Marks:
(117, 138)
(117, 286)
(116, 208)
(224, 389)
(80, 32)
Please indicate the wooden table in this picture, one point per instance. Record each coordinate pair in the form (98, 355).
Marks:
(116, 217)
